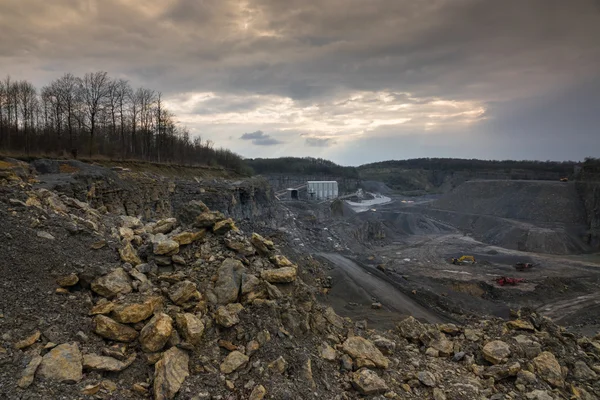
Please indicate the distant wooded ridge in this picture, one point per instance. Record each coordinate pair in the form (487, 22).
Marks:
(97, 116)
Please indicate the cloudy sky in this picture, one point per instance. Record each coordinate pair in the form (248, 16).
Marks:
(354, 81)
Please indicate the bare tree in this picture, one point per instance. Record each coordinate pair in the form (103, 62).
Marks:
(95, 92)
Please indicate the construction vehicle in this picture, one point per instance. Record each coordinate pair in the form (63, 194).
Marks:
(564, 179)
(521, 266)
(463, 260)
(503, 281)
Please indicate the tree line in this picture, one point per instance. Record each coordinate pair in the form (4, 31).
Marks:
(99, 116)
(301, 166)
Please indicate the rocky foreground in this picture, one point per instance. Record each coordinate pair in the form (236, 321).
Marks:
(191, 307)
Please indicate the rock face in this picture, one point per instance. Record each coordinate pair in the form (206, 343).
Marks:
(360, 348)
(111, 329)
(548, 368)
(279, 275)
(229, 281)
(156, 333)
(62, 364)
(368, 382)
(169, 373)
(496, 351)
(191, 327)
(113, 284)
(233, 361)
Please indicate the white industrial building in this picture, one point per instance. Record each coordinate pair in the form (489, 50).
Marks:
(322, 190)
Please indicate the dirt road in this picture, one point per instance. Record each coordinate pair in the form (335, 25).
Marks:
(363, 281)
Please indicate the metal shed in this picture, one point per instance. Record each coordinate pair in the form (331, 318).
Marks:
(322, 190)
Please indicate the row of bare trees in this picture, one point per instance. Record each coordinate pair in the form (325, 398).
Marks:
(98, 116)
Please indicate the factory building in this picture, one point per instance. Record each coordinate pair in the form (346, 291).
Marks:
(322, 190)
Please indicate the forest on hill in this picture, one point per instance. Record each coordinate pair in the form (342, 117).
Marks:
(96, 116)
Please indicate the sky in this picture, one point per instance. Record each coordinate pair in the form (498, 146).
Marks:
(352, 81)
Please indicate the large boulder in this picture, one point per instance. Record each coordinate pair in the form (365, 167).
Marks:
(229, 281)
(129, 254)
(62, 364)
(112, 330)
(547, 367)
(169, 373)
(135, 312)
(156, 333)
(367, 382)
(189, 212)
(496, 351)
(103, 363)
(113, 284)
(233, 362)
(182, 292)
(208, 219)
(191, 327)
(279, 275)
(360, 348)
(411, 329)
(164, 226)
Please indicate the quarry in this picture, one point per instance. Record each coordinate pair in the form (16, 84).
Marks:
(126, 281)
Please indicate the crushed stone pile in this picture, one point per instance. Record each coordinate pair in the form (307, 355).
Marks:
(194, 308)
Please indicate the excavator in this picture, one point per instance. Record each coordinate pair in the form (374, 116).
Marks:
(463, 260)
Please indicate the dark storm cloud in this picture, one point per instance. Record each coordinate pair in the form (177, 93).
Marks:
(259, 138)
(313, 55)
(319, 142)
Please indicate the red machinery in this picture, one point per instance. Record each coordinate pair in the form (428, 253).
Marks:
(502, 281)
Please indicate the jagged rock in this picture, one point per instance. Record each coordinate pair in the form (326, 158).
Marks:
(525, 377)
(239, 245)
(103, 307)
(548, 368)
(191, 327)
(136, 312)
(426, 378)
(527, 347)
(520, 324)
(169, 373)
(473, 335)
(279, 275)
(458, 356)
(164, 226)
(62, 364)
(28, 341)
(188, 237)
(126, 233)
(411, 329)
(190, 211)
(367, 382)
(113, 284)
(130, 222)
(229, 280)
(279, 365)
(438, 394)
(385, 345)
(233, 362)
(307, 375)
(208, 219)
(258, 393)
(499, 372)
(68, 280)
(496, 351)
(252, 347)
(129, 254)
(582, 372)
(333, 318)
(29, 372)
(111, 329)
(164, 246)
(443, 345)
(539, 395)
(281, 261)
(102, 363)
(156, 333)
(263, 245)
(222, 227)
(450, 329)
(182, 292)
(360, 348)
(249, 283)
(227, 316)
(45, 235)
(328, 352)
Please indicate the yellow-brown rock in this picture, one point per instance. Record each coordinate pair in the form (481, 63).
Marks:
(129, 254)
(135, 312)
(188, 237)
(113, 284)
(169, 373)
(28, 341)
(360, 348)
(279, 275)
(111, 329)
(156, 333)
(67, 280)
(233, 361)
(62, 364)
(191, 327)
